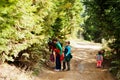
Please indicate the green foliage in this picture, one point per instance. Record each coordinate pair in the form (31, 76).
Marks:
(68, 18)
(24, 23)
(102, 21)
(118, 75)
(103, 17)
(17, 24)
(115, 66)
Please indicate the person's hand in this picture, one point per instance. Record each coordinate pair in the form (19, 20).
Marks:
(66, 54)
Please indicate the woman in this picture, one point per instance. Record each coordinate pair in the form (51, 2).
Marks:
(58, 51)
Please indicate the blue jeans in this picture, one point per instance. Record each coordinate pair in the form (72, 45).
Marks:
(58, 62)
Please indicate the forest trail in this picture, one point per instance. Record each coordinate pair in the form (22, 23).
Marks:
(83, 65)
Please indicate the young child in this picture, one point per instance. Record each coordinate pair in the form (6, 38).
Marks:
(99, 58)
(67, 55)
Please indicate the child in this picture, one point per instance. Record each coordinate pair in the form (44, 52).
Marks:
(67, 55)
(99, 59)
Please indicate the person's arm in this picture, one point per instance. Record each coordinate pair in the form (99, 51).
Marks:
(69, 51)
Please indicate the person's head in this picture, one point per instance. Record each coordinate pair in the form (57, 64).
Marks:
(99, 52)
(102, 51)
(55, 40)
(67, 42)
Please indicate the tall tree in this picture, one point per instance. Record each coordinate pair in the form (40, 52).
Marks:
(102, 19)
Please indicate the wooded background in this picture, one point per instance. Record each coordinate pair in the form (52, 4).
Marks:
(27, 25)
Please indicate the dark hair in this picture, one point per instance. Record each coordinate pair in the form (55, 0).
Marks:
(55, 39)
(68, 42)
(99, 52)
(103, 50)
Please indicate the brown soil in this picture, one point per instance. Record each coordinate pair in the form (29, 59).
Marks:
(83, 65)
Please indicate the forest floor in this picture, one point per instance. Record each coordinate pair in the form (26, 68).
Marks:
(83, 65)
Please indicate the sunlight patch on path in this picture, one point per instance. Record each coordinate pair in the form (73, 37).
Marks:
(85, 45)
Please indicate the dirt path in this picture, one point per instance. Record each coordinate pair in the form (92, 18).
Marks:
(83, 65)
